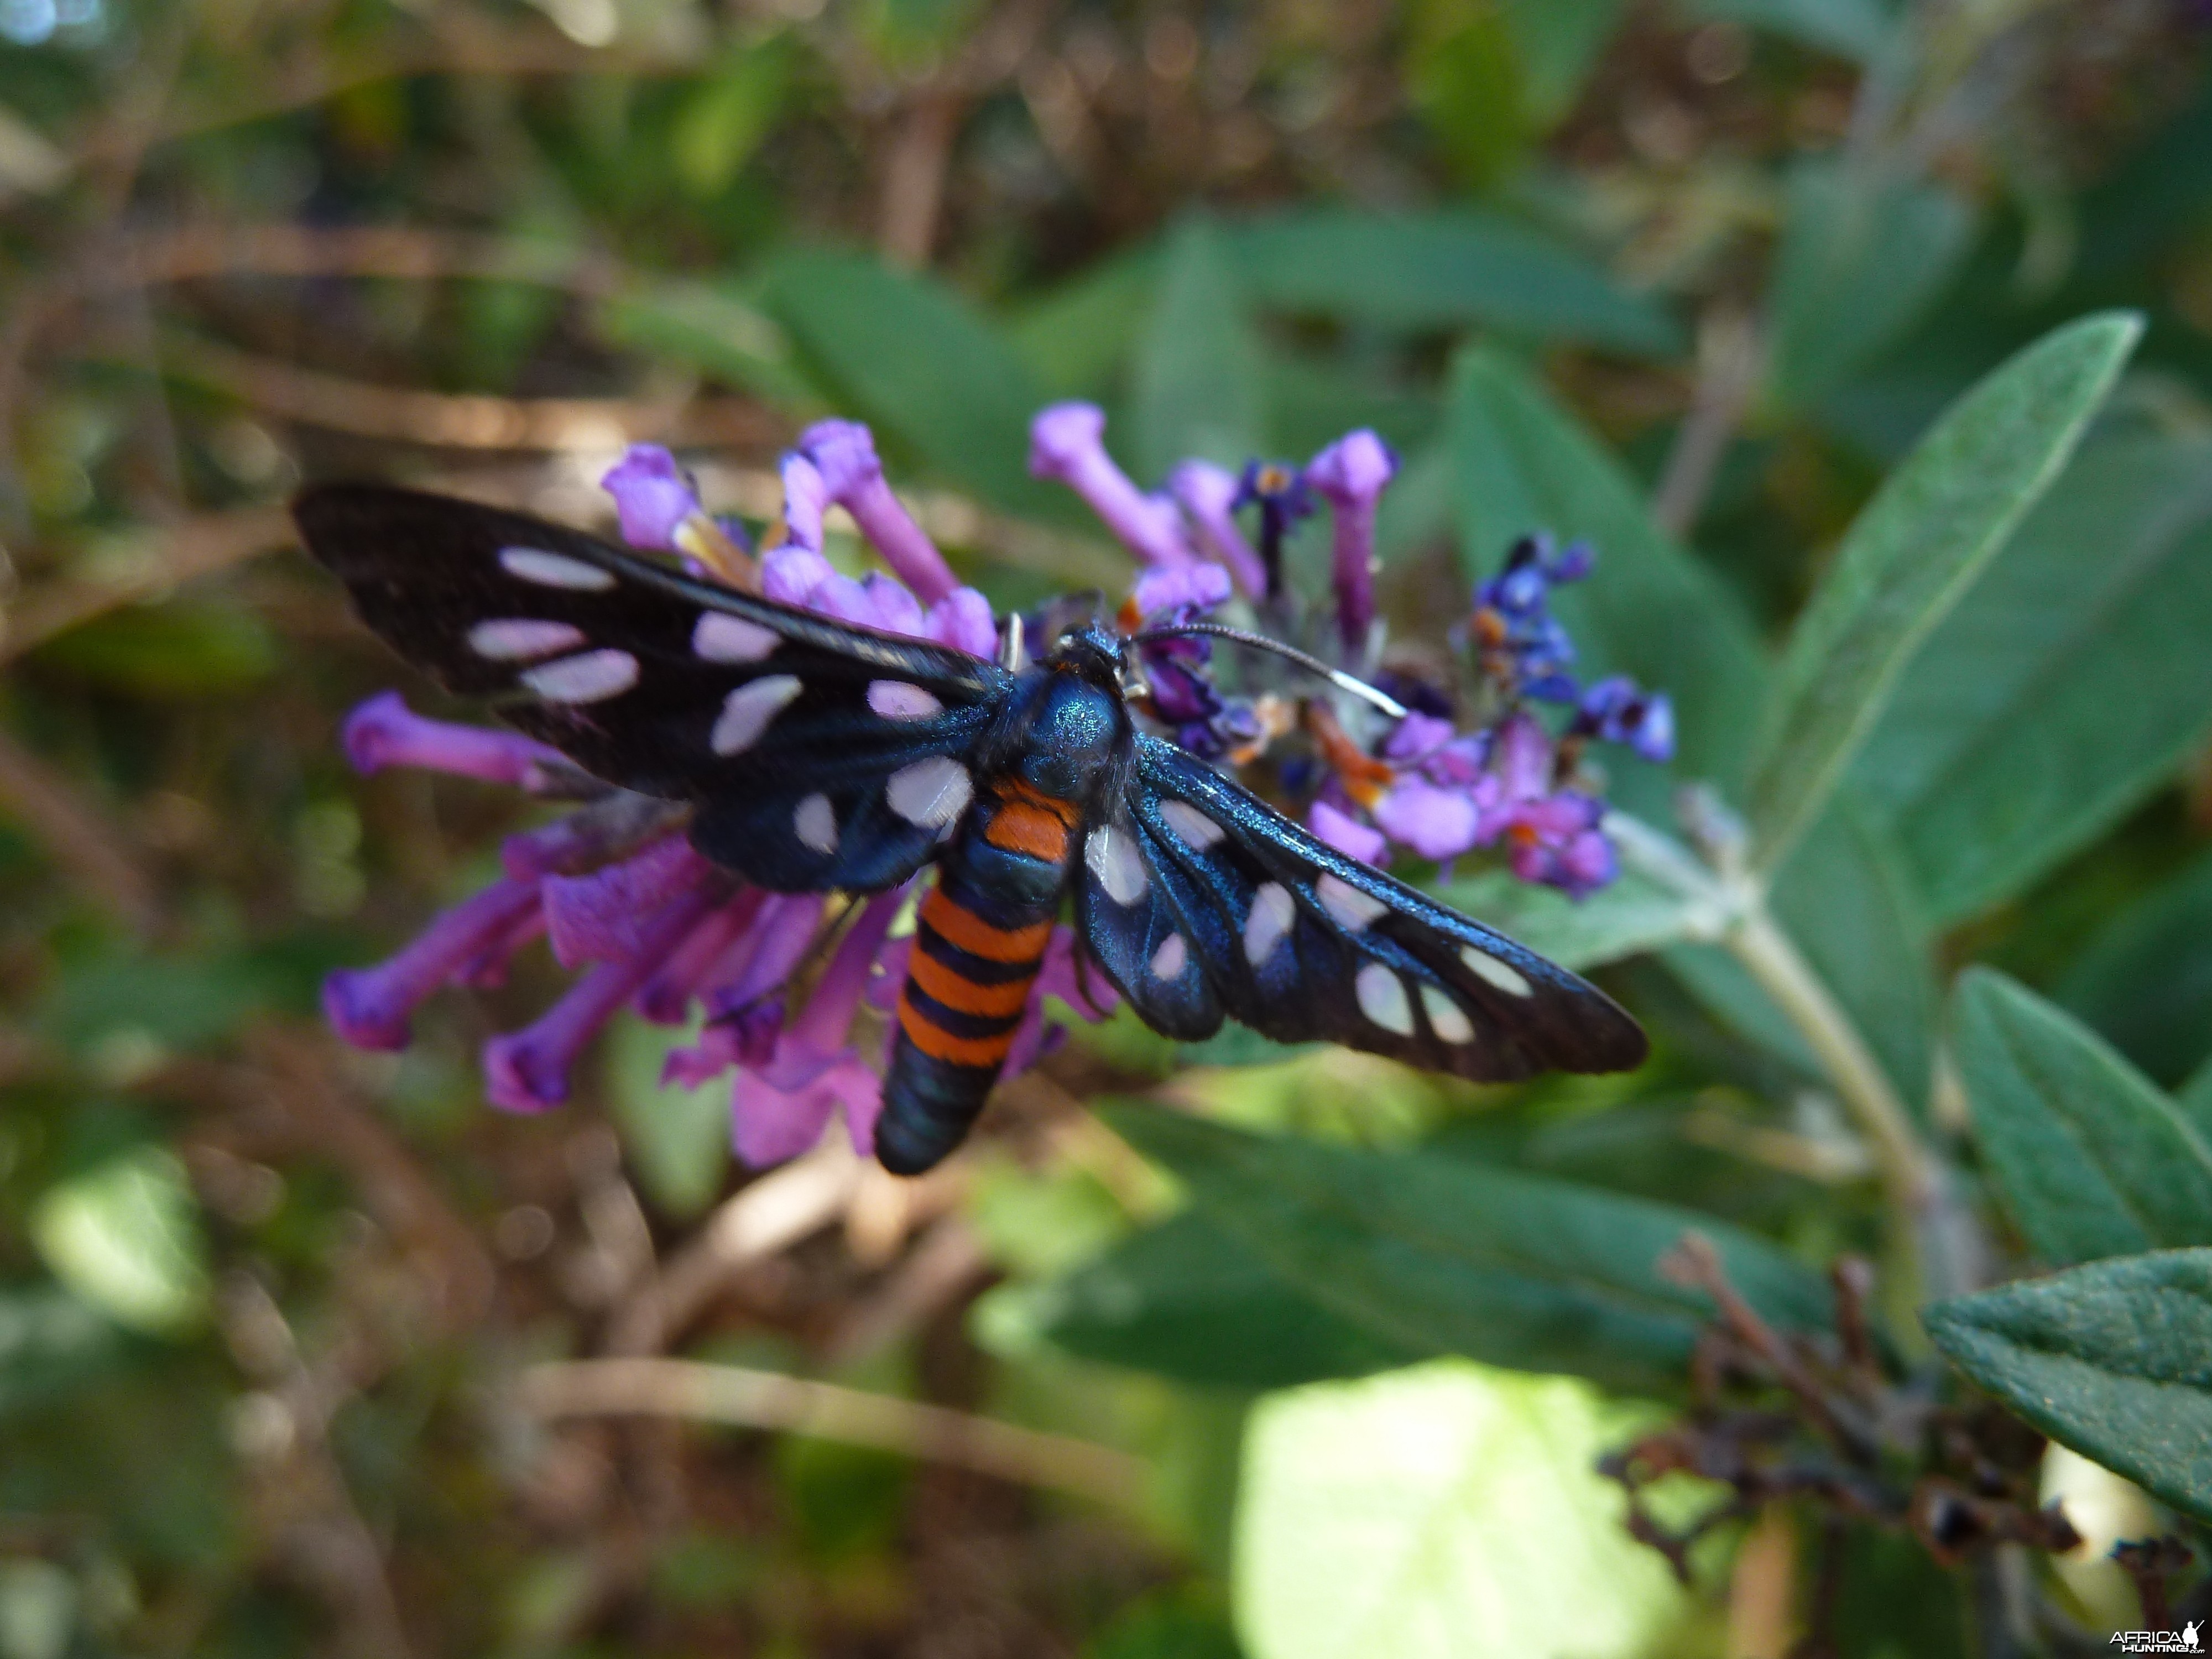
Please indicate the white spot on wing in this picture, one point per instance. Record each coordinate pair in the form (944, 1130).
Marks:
(895, 700)
(721, 637)
(747, 711)
(1273, 910)
(1446, 1018)
(1114, 860)
(814, 822)
(1483, 965)
(519, 639)
(592, 678)
(1192, 827)
(1352, 908)
(1169, 960)
(930, 793)
(1382, 999)
(535, 565)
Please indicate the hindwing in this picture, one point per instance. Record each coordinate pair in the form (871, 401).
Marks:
(1199, 901)
(820, 754)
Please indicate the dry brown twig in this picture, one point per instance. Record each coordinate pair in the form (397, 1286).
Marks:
(1844, 1436)
(77, 836)
(768, 1399)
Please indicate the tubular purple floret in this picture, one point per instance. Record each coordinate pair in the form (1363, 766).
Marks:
(652, 496)
(844, 454)
(605, 915)
(805, 498)
(1353, 473)
(1068, 444)
(666, 997)
(1208, 494)
(370, 1007)
(527, 1071)
(765, 955)
(779, 1108)
(385, 732)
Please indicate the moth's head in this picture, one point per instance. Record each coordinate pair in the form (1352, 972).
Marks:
(1096, 653)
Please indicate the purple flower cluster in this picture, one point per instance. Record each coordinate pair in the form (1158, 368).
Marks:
(781, 981)
(617, 892)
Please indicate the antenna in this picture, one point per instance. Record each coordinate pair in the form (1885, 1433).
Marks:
(1335, 677)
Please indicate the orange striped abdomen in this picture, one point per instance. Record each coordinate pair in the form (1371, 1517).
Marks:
(980, 939)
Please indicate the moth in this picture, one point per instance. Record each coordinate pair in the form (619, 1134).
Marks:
(820, 756)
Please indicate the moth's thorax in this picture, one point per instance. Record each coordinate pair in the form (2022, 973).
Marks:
(1068, 747)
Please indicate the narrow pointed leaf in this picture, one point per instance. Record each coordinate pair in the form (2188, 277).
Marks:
(2091, 1159)
(1913, 551)
(1196, 385)
(2067, 683)
(1511, 1269)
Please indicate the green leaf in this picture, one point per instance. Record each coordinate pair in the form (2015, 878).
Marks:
(1559, 42)
(1442, 1512)
(1462, 74)
(2113, 1359)
(1189, 1300)
(1447, 269)
(50, 1344)
(2145, 980)
(928, 369)
(2067, 683)
(677, 1140)
(194, 647)
(1650, 609)
(724, 120)
(1862, 259)
(124, 1235)
(1195, 386)
(1075, 337)
(1854, 29)
(1632, 915)
(1911, 554)
(2091, 1159)
(1431, 1252)
(1724, 985)
(713, 329)
(1847, 898)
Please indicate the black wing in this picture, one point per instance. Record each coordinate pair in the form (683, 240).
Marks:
(1199, 900)
(820, 754)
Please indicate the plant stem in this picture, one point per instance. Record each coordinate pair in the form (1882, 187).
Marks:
(1941, 1239)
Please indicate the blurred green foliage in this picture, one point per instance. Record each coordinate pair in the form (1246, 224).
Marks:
(1869, 340)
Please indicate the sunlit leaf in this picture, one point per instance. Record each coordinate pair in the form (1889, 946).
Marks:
(125, 1236)
(1444, 1512)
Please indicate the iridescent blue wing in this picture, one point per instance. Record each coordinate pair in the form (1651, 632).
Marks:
(1198, 901)
(819, 754)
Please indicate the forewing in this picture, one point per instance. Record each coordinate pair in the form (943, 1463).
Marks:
(1302, 943)
(820, 754)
